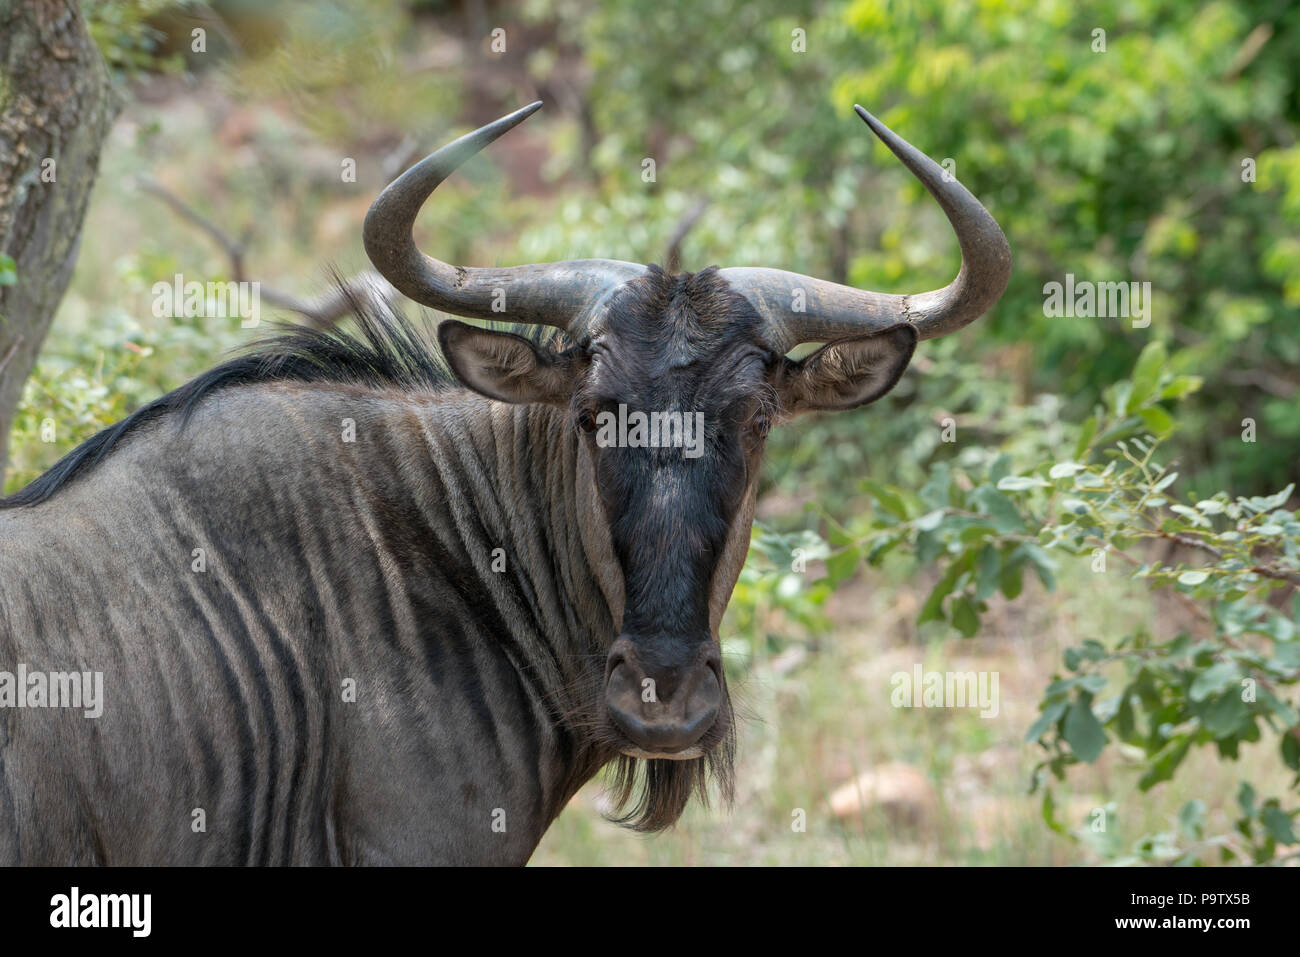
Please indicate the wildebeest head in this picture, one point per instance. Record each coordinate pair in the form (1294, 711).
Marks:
(706, 354)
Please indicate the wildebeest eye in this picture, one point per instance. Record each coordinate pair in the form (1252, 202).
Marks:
(587, 421)
(759, 425)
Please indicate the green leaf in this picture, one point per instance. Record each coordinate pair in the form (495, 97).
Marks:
(1291, 749)
(937, 491)
(1125, 723)
(1246, 798)
(1165, 762)
(964, 617)
(890, 500)
(1086, 434)
(8, 270)
(1094, 684)
(1043, 564)
(1083, 731)
(1120, 429)
(1278, 823)
(1284, 711)
(987, 566)
(882, 546)
(1192, 577)
(1119, 396)
(1011, 580)
(1049, 813)
(1000, 468)
(930, 520)
(1064, 470)
(1225, 714)
(932, 610)
(1051, 714)
(1270, 502)
(1181, 386)
(842, 564)
(1214, 680)
(1146, 373)
(1006, 519)
(1159, 422)
(1019, 483)
(1193, 516)
(1192, 819)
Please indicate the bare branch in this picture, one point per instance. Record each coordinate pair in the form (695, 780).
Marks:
(1254, 42)
(1263, 380)
(233, 249)
(367, 289)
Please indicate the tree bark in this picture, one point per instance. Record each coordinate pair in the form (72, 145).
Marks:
(56, 107)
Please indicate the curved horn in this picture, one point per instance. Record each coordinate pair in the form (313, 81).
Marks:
(832, 311)
(562, 294)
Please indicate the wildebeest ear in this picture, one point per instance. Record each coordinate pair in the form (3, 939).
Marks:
(847, 373)
(503, 366)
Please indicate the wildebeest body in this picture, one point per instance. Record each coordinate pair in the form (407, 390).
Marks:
(325, 562)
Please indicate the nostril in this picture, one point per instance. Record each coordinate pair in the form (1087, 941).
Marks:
(612, 664)
(622, 652)
(669, 715)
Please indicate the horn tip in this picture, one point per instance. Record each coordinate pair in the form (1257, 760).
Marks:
(871, 121)
(511, 120)
(506, 123)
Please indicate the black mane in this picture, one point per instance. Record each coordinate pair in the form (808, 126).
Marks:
(384, 350)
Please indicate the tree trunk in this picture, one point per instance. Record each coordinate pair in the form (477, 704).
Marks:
(56, 106)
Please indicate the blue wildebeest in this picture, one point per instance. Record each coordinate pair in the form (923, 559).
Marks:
(354, 605)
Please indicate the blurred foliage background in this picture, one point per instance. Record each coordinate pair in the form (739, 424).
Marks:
(1135, 140)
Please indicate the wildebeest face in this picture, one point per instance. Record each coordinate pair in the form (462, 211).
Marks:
(673, 395)
(711, 345)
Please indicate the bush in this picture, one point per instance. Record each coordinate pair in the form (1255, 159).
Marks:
(1107, 496)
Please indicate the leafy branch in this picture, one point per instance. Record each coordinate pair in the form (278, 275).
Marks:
(1232, 562)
